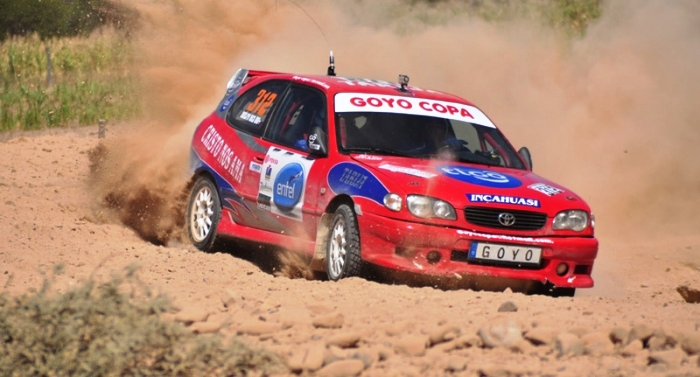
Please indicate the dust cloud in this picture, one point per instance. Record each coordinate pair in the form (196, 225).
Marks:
(612, 115)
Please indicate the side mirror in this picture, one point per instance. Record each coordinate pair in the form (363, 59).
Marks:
(317, 142)
(525, 154)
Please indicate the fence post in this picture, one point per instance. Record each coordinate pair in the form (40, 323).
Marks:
(49, 67)
(102, 129)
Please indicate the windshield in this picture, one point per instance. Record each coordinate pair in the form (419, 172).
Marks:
(421, 136)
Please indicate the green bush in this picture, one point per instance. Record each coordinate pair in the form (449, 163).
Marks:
(99, 330)
(61, 18)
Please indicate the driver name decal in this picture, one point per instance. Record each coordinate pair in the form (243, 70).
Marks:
(379, 103)
(503, 199)
(479, 177)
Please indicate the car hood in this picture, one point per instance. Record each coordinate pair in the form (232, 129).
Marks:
(464, 184)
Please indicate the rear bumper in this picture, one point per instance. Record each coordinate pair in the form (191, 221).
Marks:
(404, 246)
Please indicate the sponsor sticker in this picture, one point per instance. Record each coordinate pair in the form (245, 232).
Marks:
(545, 189)
(479, 177)
(288, 186)
(254, 166)
(378, 103)
(409, 171)
(504, 238)
(503, 199)
(354, 180)
(368, 157)
(282, 183)
(227, 103)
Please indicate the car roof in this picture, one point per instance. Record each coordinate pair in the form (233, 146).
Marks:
(338, 84)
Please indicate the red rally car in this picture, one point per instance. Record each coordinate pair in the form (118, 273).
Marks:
(353, 171)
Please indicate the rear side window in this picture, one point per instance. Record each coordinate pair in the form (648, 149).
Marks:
(250, 111)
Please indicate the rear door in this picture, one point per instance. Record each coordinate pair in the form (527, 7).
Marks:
(289, 180)
(247, 118)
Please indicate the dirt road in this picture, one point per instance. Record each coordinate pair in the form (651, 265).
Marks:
(49, 218)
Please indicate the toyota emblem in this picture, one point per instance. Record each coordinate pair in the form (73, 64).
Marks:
(506, 219)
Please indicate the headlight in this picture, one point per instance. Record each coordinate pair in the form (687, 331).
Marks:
(393, 202)
(575, 220)
(427, 207)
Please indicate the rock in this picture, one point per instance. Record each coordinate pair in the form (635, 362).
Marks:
(619, 335)
(597, 344)
(309, 358)
(567, 344)
(344, 340)
(329, 321)
(500, 334)
(367, 356)
(255, 327)
(191, 315)
(456, 364)
(501, 371)
(632, 349)
(657, 343)
(671, 358)
(691, 344)
(443, 334)
(579, 331)
(411, 345)
(204, 327)
(508, 306)
(398, 328)
(690, 295)
(468, 340)
(342, 368)
(541, 336)
(227, 297)
(641, 332)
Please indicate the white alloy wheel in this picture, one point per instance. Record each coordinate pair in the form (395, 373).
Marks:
(343, 257)
(202, 214)
(336, 250)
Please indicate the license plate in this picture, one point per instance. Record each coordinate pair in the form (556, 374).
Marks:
(505, 253)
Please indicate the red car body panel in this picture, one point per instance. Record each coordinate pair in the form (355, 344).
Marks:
(242, 165)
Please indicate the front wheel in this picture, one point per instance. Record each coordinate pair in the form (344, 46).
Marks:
(343, 245)
(203, 214)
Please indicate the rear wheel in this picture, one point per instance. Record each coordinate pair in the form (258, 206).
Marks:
(203, 214)
(343, 245)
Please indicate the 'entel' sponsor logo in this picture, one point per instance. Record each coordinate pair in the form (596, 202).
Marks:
(503, 199)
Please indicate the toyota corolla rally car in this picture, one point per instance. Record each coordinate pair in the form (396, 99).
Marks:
(355, 171)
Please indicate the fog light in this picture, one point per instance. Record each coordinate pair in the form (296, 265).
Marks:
(562, 269)
(433, 257)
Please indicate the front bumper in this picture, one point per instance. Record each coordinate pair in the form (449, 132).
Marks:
(405, 246)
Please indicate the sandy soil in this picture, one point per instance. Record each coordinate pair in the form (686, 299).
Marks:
(49, 218)
(612, 116)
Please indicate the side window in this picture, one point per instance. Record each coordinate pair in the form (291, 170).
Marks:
(302, 110)
(250, 110)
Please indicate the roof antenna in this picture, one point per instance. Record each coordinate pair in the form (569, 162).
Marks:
(331, 67)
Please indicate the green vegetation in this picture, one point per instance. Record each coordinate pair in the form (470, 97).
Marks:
(90, 80)
(571, 17)
(99, 330)
(61, 18)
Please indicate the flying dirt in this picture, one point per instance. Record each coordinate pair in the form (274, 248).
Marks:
(612, 115)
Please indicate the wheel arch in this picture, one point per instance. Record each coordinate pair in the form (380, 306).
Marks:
(318, 261)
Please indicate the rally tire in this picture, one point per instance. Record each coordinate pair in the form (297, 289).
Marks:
(203, 214)
(343, 257)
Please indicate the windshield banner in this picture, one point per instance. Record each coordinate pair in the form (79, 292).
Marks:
(378, 103)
